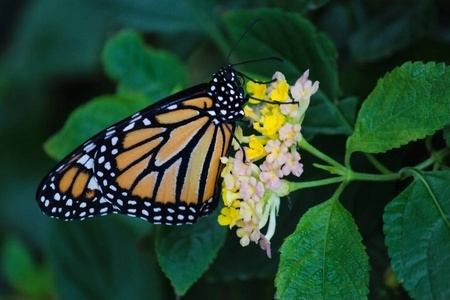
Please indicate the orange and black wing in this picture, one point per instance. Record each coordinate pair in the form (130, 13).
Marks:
(162, 164)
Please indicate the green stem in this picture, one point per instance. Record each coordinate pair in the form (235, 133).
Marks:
(308, 147)
(293, 186)
(379, 166)
(354, 176)
(339, 190)
(425, 164)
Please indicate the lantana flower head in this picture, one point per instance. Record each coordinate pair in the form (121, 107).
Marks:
(254, 181)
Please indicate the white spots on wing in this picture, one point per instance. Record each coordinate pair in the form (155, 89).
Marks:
(129, 127)
(88, 147)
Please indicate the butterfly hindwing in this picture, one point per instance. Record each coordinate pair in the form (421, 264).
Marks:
(71, 191)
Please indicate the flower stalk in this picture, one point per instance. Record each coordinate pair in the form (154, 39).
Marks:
(252, 189)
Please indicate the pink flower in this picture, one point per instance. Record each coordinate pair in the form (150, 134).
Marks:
(252, 189)
(289, 133)
(293, 165)
(264, 243)
(239, 167)
(304, 88)
(277, 152)
(270, 175)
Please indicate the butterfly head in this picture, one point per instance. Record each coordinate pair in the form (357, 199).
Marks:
(226, 88)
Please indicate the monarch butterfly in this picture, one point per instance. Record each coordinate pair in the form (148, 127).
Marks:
(161, 164)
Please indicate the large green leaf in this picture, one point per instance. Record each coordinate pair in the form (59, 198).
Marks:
(324, 258)
(100, 259)
(141, 69)
(185, 252)
(417, 228)
(91, 118)
(407, 104)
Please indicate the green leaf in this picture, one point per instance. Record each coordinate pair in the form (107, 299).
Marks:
(287, 36)
(101, 259)
(407, 104)
(185, 252)
(22, 272)
(324, 258)
(417, 228)
(392, 29)
(141, 69)
(91, 118)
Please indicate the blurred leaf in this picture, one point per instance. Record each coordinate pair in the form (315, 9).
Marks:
(185, 252)
(324, 258)
(91, 118)
(157, 15)
(322, 116)
(31, 280)
(407, 104)
(394, 27)
(417, 228)
(287, 36)
(141, 69)
(54, 38)
(99, 259)
(300, 6)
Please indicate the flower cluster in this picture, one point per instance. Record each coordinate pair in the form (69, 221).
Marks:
(253, 181)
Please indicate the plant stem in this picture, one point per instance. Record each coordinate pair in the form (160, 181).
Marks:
(353, 176)
(425, 163)
(308, 147)
(308, 184)
(376, 163)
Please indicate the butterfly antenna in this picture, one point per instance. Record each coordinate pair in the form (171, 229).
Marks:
(244, 158)
(258, 60)
(242, 36)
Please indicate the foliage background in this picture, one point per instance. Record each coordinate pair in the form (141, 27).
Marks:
(50, 63)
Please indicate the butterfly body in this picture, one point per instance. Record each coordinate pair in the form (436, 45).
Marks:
(161, 164)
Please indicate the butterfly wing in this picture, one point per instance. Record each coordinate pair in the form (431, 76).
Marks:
(161, 164)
